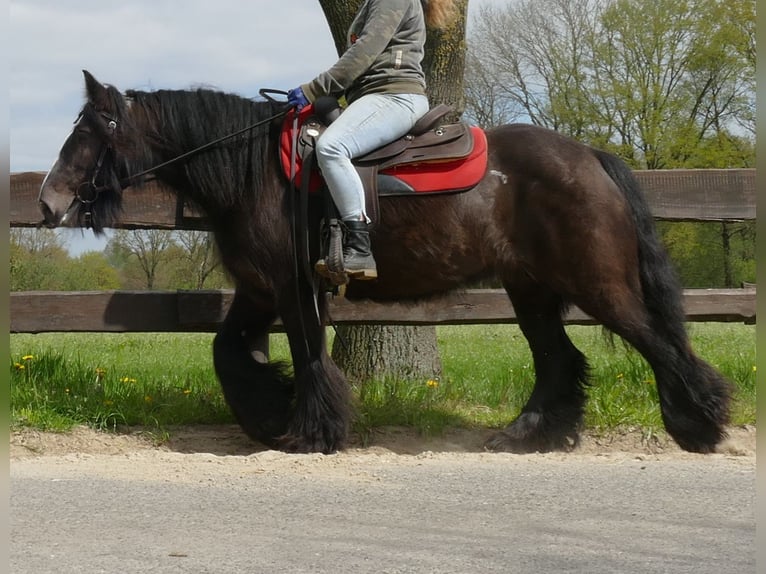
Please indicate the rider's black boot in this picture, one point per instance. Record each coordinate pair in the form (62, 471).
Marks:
(357, 254)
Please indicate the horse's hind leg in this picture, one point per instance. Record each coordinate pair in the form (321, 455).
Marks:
(640, 299)
(258, 393)
(320, 415)
(694, 397)
(552, 416)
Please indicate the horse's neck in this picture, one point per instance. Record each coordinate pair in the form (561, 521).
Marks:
(229, 175)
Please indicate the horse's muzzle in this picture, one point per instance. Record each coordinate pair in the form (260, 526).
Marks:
(49, 219)
(57, 209)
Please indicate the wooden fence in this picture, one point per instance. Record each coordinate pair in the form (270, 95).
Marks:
(675, 195)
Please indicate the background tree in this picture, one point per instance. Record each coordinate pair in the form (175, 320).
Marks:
(37, 257)
(139, 254)
(534, 58)
(90, 271)
(655, 82)
(664, 84)
(37, 240)
(486, 104)
(39, 261)
(367, 351)
(194, 262)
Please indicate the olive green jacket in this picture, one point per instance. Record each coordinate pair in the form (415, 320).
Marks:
(384, 53)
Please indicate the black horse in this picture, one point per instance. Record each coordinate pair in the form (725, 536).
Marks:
(558, 222)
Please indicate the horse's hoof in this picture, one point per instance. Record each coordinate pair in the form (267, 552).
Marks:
(503, 442)
(531, 433)
(303, 445)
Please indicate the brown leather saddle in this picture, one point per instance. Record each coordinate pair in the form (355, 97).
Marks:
(419, 162)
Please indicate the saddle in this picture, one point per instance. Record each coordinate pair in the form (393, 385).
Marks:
(431, 159)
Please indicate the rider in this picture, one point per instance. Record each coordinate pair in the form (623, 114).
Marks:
(381, 77)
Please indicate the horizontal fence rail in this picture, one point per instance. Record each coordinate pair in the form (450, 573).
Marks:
(202, 311)
(675, 195)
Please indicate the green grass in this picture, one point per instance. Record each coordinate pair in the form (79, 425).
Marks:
(111, 380)
(156, 381)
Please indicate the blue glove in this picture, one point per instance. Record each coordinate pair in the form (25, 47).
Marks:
(297, 99)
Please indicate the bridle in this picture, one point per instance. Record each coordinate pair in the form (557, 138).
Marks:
(93, 189)
(88, 191)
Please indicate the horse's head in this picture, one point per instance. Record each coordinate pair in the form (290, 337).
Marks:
(83, 188)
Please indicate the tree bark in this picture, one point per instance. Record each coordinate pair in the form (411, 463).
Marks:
(444, 63)
(364, 352)
(367, 352)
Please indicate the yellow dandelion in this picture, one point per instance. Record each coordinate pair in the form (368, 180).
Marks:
(620, 376)
(432, 383)
(753, 368)
(127, 380)
(19, 366)
(27, 357)
(187, 391)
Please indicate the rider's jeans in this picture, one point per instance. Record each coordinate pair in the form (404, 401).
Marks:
(365, 125)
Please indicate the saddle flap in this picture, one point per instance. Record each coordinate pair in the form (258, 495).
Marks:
(445, 142)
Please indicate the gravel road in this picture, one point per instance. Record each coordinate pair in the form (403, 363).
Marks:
(204, 502)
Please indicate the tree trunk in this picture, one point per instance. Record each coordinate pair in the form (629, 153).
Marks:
(375, 351)
(367, 352)
(444, 63)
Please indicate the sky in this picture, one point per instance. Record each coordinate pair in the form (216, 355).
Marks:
(229, 45)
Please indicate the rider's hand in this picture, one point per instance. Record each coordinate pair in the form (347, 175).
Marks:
(296, 98)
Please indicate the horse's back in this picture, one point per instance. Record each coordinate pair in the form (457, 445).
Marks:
(544, 167)
(528, 148)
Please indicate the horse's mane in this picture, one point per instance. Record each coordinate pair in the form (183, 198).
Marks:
(177, 121)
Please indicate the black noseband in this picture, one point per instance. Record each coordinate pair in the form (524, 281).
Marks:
(89, 191)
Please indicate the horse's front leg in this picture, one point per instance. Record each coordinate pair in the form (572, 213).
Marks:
(321, 413)
(258, 393)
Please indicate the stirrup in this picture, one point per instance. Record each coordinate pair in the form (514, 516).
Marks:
(331, 265)
(366, 271)
(335, 278)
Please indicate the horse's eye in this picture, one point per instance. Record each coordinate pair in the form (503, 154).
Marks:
(83, 134)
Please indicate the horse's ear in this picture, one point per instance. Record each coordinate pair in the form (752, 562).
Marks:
(94, 90)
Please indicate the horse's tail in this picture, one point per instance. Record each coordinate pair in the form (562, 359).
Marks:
(659, 281)
(694, 397)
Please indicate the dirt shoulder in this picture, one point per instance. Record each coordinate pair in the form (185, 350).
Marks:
(228, 440)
